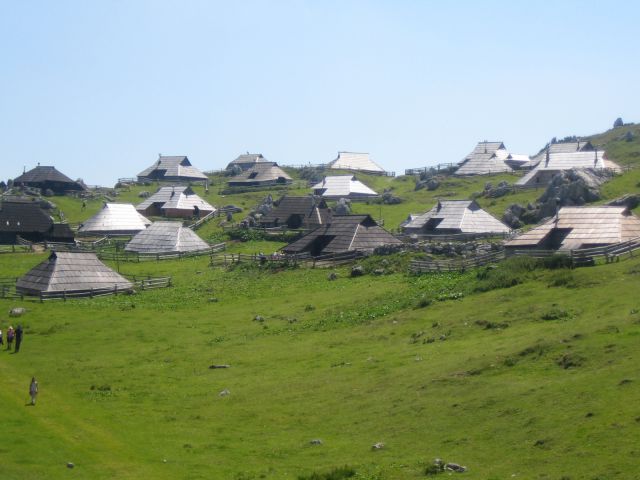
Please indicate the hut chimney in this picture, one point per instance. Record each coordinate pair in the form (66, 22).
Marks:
(595, 159)
(578, 148)
(485, 146)
(546, 161)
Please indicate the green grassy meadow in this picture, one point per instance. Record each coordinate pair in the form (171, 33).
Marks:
(516, 371)
(126, 392)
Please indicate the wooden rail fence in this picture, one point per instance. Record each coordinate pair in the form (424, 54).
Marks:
(455, 264)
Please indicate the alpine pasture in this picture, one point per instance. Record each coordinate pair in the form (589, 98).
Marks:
(524, 369)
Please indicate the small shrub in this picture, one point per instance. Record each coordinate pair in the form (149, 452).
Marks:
(338, 473)
(568, 360)
(554, 313)
(557, 261)
(423, 302)
(563, 278)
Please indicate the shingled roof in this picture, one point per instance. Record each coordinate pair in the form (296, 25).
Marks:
(166, 237)
(248, 160)
(172, 168)
(177, 201)
(343, 233)
(47, 177)
(71, 272)
(261, 174)
(115, 219)
(342, 186)
(455, 216)
(557, 162)
(297, 212)
(31, 222)
(581, 227)
(355, 161)
(485, 158)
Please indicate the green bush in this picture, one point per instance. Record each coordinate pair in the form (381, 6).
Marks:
(509, 273)
(557, 261)
(338, 473)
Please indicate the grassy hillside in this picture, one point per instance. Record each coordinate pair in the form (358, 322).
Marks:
(534, 381)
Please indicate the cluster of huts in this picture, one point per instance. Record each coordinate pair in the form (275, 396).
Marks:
(493, 157)
(325, 231)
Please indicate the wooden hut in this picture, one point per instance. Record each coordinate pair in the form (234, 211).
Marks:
(175, 202)
(247, 161)
(485, 158)
(166, 237)
(355, 161)
(342, 186)
(580, 227)
(115, 219)
(72, 273)
(261, 174)
(172, 169)
(297, 212)
(343, 233)
(28, 220)
(556, 162)
(48, 178)
(454, 217)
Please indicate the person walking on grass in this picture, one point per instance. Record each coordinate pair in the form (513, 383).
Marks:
(18, 338)
(1, 342)
(33, 390)
(10, 334)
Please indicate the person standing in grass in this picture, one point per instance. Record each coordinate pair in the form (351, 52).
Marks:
(1, 342)
(18, 338)
(10, 334)
(33, 390)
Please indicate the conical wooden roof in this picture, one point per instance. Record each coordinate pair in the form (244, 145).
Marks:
(165, 237)
(115, 219)
(71, 272)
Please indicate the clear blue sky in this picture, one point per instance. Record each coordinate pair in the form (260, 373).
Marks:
(99, 88)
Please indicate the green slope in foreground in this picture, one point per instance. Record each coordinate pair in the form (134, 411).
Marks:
(539, 380)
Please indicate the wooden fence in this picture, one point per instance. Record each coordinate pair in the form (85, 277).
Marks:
(454, 237)
(125, 256)
(587, 256)
(437, 168)
(15, 248)
(329, 260)
(455, 264)
(203, 220)
(8, 289)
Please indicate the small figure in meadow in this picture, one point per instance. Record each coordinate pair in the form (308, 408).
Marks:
(10, 334)
(84, 205)
(33, 390)
(18, 338)
(1, 342)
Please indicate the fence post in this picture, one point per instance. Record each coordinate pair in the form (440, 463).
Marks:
(64, 295)
(115, 289)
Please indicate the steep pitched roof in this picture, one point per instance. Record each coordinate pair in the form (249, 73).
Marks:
(557, 162)
(71, 272)
(342, 186)
(165, 237)
(464, 216)
(261, 173)
(115, 219)
(43, 174)
(248, 159)
(582, 226)
(172, 168)
(562, 147)
(355, 161)
(485, 158)
(22, 217)
(178, 197)
(344, 233)
(313, 211)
